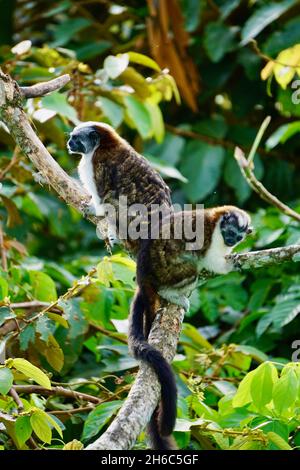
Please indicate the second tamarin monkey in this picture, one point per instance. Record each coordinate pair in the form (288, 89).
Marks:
(167, 269)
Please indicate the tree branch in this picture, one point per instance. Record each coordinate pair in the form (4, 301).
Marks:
(42, 89)
(247, 168)
(57, 391)
(136, 411)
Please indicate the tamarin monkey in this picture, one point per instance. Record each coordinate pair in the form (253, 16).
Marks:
(110, 168)
(166, 269)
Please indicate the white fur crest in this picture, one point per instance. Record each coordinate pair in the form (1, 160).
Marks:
(214, 259)
(86, 175)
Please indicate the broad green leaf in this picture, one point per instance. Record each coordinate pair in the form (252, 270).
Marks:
(67, 29)
(23, 429)
(262, 383)
(278, 441)
(243, 394)
(92, 49)
(262, 17)
(27, 336)
(142, 59)
(3, 289)
(165, 170)
(58, 102)
(41, 426)
(219, 39)
(78, 326)
(52, 422)
(139, 116)
(59, 319)
(282, 134)
(202, 166)
(31, 371)
(5, 313)
(156, 121)
(99, 417)
(45, 327)
(43, 286)
(285, 391)
(53, 353)
(6, 380)
(112, 110)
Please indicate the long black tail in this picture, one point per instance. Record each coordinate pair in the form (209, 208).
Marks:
(162, 423)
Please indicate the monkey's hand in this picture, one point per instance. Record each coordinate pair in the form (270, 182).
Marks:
(234, 263)
(88, 209)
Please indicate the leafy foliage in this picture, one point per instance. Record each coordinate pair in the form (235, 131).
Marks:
(63, 322)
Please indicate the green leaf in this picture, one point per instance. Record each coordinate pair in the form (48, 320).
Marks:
(142, 59)
(219, 39)
(59, 319)
(98, 418)
(43, 286)
(3, 288)
(5, 314)
(6, 380)
(285, 391)
(202, 167)
(78, 326)
(262, 17)
(44, 326)
(53, 353)
(113, 111)
(261, 388)
(156, 121)
(92, 49)
(282, 134)
(67, 29)
(139, 115)
(23, 429)
(243, 394)
(31, 371)
(278, 441)
(41, 426)
(58, 102)
(27, 336)
(165, 170)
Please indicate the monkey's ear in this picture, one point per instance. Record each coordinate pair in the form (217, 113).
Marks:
(94, 137)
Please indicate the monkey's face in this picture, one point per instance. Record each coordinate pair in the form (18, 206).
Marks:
(234, 226)
(83, 139)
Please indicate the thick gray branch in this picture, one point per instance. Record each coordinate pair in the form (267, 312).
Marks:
(42, 89)
(144, 395)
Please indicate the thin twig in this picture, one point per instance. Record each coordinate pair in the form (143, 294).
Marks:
(259, 188)
(225, 143)
(57, 391)
(13, 393)
(71, 412)
(257, 139)
(3, 250)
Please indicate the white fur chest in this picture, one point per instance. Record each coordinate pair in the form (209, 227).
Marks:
(214, 259)
(86, 175)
